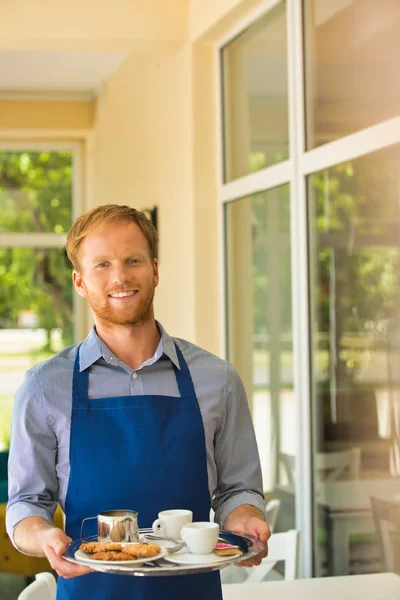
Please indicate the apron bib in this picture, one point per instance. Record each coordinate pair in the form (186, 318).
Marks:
(144, 453)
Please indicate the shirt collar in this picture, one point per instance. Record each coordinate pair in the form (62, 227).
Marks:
(168, 346)
(91, 349)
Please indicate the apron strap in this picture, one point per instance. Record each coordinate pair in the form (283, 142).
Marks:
(183, 377)
(80, 382)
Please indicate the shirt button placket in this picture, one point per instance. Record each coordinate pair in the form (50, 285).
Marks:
(134, 382)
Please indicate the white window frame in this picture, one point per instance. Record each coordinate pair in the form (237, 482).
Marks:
(294, 171)
(49, 239)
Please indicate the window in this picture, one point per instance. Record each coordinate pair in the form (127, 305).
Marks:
(36, 305)
(310, 142)
(260, 319)
(352, 50)
(256, 96)
(355, 262)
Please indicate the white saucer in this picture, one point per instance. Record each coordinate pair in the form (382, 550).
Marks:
(183, 557)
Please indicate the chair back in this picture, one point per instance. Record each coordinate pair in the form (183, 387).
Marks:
(272, 509)
(43, 588)
(288, 462)
(387, 523)
(281, 547)
(329, 466)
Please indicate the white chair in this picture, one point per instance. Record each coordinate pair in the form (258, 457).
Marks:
(43, 588)
(386, 516)
(329, 466)
(289, 466)
(272, 509)
(281, 547)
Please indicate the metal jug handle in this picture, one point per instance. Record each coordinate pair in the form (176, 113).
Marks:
(86, 519)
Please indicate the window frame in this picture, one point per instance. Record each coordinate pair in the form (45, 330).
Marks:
(293, 171)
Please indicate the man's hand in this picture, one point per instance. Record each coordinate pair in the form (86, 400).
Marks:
(54, 543)
(36, 537)
(248, 519)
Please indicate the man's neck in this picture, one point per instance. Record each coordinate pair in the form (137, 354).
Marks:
(132, 344)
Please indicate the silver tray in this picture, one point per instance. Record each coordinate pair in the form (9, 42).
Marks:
(249, 545)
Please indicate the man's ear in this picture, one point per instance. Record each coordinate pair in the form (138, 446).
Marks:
(155, 273)
(79, 284)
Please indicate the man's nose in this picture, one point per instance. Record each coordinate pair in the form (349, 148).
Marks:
(120, 273)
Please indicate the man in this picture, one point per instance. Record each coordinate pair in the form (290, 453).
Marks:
(131, 418)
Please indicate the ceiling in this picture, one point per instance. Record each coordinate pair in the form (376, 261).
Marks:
(52, 73)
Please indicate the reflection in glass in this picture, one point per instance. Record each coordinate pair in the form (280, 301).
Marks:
(352, 50)
(355, 254)
(260, 325)
(35, 192)
(255, 103)
(36, 318)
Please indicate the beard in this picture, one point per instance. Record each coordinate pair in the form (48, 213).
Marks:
(140, 310)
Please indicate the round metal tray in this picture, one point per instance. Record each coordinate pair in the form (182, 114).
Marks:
(249, 545)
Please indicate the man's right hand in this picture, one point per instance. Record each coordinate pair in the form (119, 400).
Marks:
(37, 537)
(54, 542)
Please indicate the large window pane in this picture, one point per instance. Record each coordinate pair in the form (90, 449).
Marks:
(352, 50)
(255, 103)
(35, 192)
(260, 326)
(355, 267)
(36, 318)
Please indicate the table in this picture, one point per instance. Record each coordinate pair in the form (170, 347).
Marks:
(379, 586)
(347, 510)
(343, 508)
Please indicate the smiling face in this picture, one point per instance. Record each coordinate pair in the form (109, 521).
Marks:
(117, 275)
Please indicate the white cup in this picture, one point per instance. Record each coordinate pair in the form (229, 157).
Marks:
(170, 522)
(200, 537)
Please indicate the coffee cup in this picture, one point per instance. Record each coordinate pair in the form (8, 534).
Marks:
(170, 522)
(200, 537)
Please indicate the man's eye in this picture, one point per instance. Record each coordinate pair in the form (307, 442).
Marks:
(101, 265)
(133, 261)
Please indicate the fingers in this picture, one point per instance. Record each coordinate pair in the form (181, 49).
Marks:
(250, 562)
(258, 528)
(55, 544)
(255, 560)
(63, 567)
(59, 545)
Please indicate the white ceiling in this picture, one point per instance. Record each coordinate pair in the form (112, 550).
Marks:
(37, 72)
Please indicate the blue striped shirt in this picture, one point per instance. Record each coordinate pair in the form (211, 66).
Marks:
(40, 427)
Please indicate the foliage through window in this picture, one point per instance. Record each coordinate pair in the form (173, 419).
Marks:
(36, 307)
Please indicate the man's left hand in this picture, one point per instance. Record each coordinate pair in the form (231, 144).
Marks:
(248, 519)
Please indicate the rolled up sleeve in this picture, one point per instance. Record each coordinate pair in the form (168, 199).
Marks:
(236, 454)
(32, 479)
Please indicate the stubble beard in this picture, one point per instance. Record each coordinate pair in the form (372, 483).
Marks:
(130, 316)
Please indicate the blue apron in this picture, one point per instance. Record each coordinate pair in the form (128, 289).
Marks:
(144, 453)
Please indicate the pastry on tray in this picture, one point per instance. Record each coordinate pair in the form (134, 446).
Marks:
(112, 551)
(227, 550)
